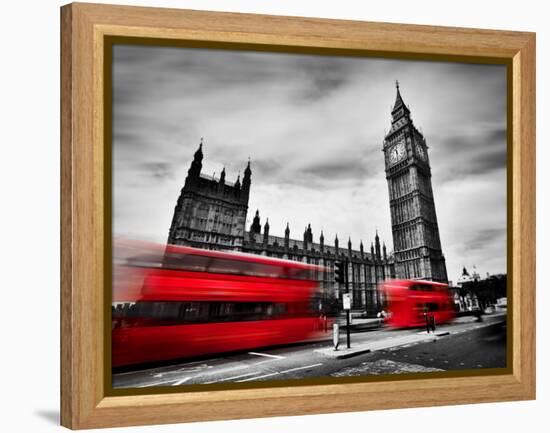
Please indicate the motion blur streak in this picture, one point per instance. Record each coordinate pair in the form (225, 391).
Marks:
(173, 302)
(413, 303)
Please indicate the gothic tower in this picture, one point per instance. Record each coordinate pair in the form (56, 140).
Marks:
(211, 213)
(416, 242)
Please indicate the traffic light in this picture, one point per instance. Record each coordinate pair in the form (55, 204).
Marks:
(340, 272)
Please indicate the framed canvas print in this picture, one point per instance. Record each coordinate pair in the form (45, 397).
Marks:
(268, 216)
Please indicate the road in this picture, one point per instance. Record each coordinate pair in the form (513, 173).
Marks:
(464, 344)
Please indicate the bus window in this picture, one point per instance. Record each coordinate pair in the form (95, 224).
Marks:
(224, 266)
(215, 265)
(432, 306)
(161, 313)
(422, 287)
(236, 267)
(298, 273)
(263, 270)
(187, 262)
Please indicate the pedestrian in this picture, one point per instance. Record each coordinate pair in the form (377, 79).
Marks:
(427, 320)
(381, 317)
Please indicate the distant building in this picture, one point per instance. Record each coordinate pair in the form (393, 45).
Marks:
(474, 292)
(465, 300)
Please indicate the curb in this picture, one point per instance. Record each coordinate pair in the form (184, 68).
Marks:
(345, 355)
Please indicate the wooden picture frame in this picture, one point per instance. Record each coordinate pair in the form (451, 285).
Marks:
(85, 216)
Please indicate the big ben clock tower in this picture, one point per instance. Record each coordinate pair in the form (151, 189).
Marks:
(416, 243)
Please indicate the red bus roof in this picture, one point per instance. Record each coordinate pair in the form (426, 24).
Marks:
(403, 284)
(160, 249)
(141, 273)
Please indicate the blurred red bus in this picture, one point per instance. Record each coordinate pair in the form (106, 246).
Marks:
(176, 302)
(409, 301)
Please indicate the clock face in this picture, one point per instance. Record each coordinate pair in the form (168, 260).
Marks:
(397, 152)
(421, 152)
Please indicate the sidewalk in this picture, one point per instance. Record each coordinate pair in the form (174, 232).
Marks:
(396, 340)
(393, 341)
(374, 322)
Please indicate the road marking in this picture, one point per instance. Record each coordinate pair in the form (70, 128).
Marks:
(267, 355)
(153, 369)
(237, 367)
(280, 372)
(234, 377)
(179, 382)
(154, 384)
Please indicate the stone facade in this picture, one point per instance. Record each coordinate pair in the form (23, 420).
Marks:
(365, 269)
(210, 213)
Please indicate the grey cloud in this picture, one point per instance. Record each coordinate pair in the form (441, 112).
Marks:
(478, 240)
(267, 167)
(479, 153)
(158, 170)
(339, 168)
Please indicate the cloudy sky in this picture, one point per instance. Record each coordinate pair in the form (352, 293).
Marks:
(313, 128)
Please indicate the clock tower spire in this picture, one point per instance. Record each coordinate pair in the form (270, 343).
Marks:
(415, 231)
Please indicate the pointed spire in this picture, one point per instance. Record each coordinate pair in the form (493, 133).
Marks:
(398, 99)
(194, 172)
(287, 236)
(322, 237)
(349, 243)
(247, 174)
(336, 241)
(256, 226)
(309, 234)
(399, 103)
(198, 153)
(266, 231)
(246, 182)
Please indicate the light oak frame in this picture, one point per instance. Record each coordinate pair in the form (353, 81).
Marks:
(84, 403)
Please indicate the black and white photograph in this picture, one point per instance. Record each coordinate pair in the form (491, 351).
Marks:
(288, 216)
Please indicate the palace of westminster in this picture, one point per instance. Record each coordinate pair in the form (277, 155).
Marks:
(211, 213)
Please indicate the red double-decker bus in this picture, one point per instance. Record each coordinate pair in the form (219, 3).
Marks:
(412, 302)
(173, 302)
